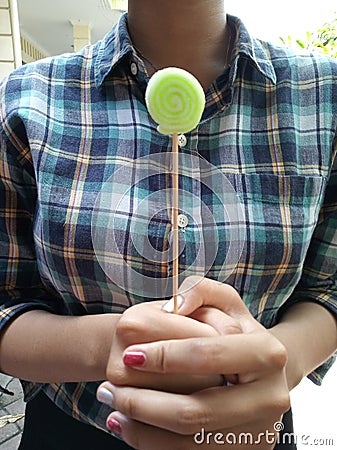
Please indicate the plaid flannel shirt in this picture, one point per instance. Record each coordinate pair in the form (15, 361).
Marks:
(68, 123)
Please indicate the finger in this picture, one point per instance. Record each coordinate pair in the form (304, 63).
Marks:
(144, 437)
(222, 354)
(147, 323)
(212, 409)
(201, 291)
(171, 412)
(198, 291)
(178, 383)
(221, 322)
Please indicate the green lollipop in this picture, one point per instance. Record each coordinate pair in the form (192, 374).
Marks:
(175, 100)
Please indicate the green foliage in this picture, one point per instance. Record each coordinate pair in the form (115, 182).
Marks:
(323, 41)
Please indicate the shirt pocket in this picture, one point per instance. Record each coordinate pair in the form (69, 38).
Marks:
(280, 214)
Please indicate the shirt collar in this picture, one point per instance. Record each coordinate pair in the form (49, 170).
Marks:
(112, 49)
(117, 43)
(251, 48)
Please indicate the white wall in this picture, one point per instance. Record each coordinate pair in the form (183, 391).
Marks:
(315, 413)
(10, 48)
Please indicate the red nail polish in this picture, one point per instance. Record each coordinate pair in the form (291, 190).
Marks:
(114, 426)
(134, 359)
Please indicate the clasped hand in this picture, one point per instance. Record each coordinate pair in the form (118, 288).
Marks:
(166, 374)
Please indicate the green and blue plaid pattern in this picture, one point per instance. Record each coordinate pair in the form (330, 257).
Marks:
(69, 123)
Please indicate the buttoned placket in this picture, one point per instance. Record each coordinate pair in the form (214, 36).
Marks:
(188, 144)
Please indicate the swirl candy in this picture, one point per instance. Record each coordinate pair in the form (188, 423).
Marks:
(175, 100)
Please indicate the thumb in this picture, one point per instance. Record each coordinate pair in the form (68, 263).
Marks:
(196, 292)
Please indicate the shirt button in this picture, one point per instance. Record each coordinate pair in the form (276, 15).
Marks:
(134, 68)
(182, 140)
(182, 221)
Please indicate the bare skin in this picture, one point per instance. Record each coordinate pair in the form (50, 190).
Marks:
(40, 346)
(267, 364)
(188, 34)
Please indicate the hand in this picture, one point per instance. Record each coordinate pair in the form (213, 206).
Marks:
(149, 419)
(147, 322)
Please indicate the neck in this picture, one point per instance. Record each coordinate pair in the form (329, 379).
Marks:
(190, 34)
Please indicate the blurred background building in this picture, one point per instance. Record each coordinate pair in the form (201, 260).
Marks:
(33, 29)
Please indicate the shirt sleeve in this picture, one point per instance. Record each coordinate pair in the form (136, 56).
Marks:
(21, 288)
(319, 278)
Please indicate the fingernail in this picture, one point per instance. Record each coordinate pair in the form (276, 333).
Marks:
(105, 396)
(169, 306)
(134, 359)
(114, 426)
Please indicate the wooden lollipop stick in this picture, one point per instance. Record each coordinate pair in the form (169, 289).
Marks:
(175, 214)
(175, 100)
